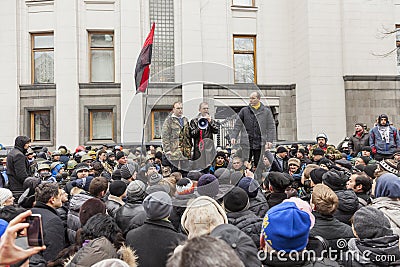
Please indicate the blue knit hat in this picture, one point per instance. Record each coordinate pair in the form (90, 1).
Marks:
(286, 228)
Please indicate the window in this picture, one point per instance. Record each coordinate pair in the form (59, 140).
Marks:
(244, 49)
(163, 60)
(40, 125)
(101, 57)
(398, 46)
(157, 120)
(42, 57)
(243, 2)
(101, 124)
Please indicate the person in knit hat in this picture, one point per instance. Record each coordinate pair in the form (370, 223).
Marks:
(219, 162)
(121, 159)
(383, 139)
(114, 201)
(258, 202)
(128, 173)
(374, 240)
(280, 162)
(208, 185)
(201, 216)
(6, 197)
(294, 168)
(132, 214)
(236, 204)
(387, 194)
(184, 193)
(157, 234)
(154, 178)
(304, 206)
(318, 154)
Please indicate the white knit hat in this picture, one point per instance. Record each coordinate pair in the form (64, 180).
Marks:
(4, 195)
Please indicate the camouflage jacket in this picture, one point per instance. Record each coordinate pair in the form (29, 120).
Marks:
(176, 139)
(330, 149)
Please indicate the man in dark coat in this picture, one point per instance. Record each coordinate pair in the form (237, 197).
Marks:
(358, 140)
(257, 127)
(203, 144)
(48, 199)
(236, 204)
(157, 238)
(18, 165)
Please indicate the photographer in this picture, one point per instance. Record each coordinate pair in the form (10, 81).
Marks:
(202, 129)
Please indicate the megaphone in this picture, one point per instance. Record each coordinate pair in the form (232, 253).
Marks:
(202, 123)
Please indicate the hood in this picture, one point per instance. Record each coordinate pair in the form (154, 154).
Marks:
(372, 250)
(348, 200)
(20, 141)
(77, 201)
(201, 216)
(241, 243)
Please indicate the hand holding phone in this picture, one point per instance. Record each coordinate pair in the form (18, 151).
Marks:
(10, 253)
(35, 230)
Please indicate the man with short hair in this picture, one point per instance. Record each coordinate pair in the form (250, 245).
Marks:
(329, 150)
(203, 144)
(257, 127)
(49, 198)
(358, 140)
(361, 184)
(176, 140)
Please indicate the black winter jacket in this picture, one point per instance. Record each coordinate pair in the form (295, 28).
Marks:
(153, 242)
(382, 251)
(53, 230)
(131, 215)
(17, 164)
(247, 222)
(256, 127)
(331, 229)
(259, 205)
(357, 143)
(113, 203)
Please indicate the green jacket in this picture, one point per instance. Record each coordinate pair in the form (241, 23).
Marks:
(176, 139)
(330, 149)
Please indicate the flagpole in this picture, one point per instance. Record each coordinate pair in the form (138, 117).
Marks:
(144, 126)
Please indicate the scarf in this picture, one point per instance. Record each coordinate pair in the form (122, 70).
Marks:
(384, 131)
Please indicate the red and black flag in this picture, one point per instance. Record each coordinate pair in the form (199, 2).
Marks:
(142, 70)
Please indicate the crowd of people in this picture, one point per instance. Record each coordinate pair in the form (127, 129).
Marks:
(318, 205)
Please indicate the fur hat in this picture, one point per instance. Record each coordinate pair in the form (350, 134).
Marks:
(201, 216)
(157, 205)
(91, 207)
(236, 200)
(294, 161)
(117, 188)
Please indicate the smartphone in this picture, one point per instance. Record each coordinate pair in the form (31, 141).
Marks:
(35, 230)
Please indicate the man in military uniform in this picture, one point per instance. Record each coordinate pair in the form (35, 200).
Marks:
(330, 151)
(176, 140)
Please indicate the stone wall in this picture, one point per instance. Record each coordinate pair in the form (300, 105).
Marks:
(369, 96)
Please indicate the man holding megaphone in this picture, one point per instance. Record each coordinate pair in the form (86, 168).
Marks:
(202, 129)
